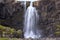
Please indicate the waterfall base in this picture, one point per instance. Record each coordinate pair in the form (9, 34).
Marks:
(31, 35)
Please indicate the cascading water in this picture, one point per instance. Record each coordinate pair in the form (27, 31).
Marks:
(30, 23)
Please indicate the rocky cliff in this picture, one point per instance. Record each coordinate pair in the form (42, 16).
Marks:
(12, 15)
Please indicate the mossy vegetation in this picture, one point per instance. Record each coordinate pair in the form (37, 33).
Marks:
(9, 31)
(4, 39)
(8, 38)
(57, 32)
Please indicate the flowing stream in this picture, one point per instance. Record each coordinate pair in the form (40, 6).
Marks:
(30, 22)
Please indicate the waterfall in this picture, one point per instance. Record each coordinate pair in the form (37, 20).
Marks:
(30, 22)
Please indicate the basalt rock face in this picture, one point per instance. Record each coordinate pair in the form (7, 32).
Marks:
(47, 14)
(12, 14)
(49, 17)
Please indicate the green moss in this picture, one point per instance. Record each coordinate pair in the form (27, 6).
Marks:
(8, 39)
(57, 33)
(58, 26)
(4, 39)
(8, 30)
(14, 38)
(12, 31)
(1, 27)
(19, 32)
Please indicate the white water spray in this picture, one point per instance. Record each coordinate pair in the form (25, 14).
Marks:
(30, 23)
